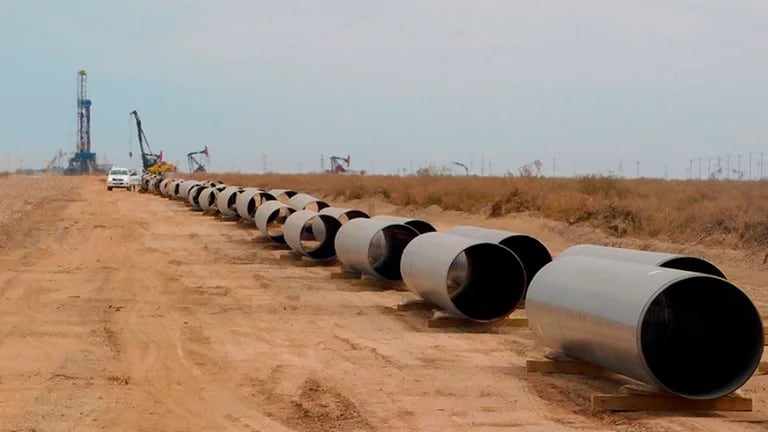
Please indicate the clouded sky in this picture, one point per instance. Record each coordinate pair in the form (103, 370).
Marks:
(392, 83)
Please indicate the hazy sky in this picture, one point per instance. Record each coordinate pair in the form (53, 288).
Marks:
(391, 82)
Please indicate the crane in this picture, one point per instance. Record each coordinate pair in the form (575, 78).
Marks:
(151, 162)
(196, 165)
(466, 168)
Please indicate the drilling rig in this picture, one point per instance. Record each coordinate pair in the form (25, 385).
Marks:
(84, 160)
(195, 164)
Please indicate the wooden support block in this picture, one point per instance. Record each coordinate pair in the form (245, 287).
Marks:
(346, 274)
(416, 305)
(570, 367)
(668, 402)
(290, 256)
(762, 367)
(441, 321)
(311, 262)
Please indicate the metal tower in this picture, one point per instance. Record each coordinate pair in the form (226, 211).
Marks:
(84, 160)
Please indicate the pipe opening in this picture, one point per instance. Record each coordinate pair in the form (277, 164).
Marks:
(316, 206)
(693, 264)
(421, 226)
(195, 195)
(531, 252)
(275, 222)
(386, 250)
(486, 282)
(285, 195)
(256, 200)
(702, 337)
(318, 234)
(352, 214)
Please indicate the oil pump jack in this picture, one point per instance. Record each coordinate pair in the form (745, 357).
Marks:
(152, 163)
(195, 164)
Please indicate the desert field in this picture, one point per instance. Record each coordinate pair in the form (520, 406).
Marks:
(128, 312)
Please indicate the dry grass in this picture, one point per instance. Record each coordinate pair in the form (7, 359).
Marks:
(717, 213)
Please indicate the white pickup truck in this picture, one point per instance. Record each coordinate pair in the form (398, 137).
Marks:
(122, 178)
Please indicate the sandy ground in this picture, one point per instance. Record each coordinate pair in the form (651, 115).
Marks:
(127, 312)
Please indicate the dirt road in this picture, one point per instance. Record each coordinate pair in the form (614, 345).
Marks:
(126, 312)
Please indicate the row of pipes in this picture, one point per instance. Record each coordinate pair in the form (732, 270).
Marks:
(672, 321)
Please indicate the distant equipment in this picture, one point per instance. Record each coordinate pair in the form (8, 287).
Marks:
(84, 160)
(338, 164)
(151, 162)
(198, 163)
(466, 169)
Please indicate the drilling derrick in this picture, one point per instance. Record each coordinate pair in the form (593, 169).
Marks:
(84, 160)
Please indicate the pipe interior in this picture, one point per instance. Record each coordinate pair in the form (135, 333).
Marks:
(693, 264)
(318, 235)
(256, 200)
(351, 214)
(316, 206)
(531, 252)
(275, 222)
(486, 281)
(285, 196)
(702, 337)
(421, 226)
(386, 250)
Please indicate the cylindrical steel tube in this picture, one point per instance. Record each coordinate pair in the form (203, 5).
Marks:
(208, 198)
(249, 201)
(282, 195)
(270, 218)
(193, 196)
(302, 201)
(692, 334)
(469, 278)
(302, 237)
(225, 201)
(175, 188)
(163, 189)
(419, 225)
(659, 259)
(531, 252)
(373, 247)
(344, 214)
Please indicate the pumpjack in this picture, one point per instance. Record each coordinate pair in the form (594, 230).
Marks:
(198, 165)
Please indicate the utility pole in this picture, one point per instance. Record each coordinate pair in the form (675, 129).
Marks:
(621, 168)
(739, 164)
(728, 166)
(666, 172)
(709, 167)
(322, 163)
(761, 166)
(749, 175)
(554, 167)
(690, 170)
(264, 163)
(638, 169)
(699, 168)
(482, 166)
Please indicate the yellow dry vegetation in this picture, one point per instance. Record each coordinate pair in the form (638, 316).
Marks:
(712, 212)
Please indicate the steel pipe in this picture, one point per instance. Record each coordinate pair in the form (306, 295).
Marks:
(182, 190)
(208, 198)
(419, 225)
(282, 195)
(531, 252)
(163, 189)
(469, 278)
(303, 237)
(302, 201)
(659, 259)
(373, 246)
(225, 201)
(270, 217)
(249, 201)
(691, 334)
(194, 196)
(344, 215)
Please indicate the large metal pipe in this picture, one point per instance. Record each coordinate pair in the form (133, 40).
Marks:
(270, 218)
(419, 225)
(469, 278)
(691, 334)
(174, 188)
(531, 252)
(302, 201)
(209, 196)
(164, 185)
(282, 195)
(659, 259)
(302, 237)
(225, 201)
(182, 190)
(249, 201)
(344, 214)
(194, 196)
(373, 246)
